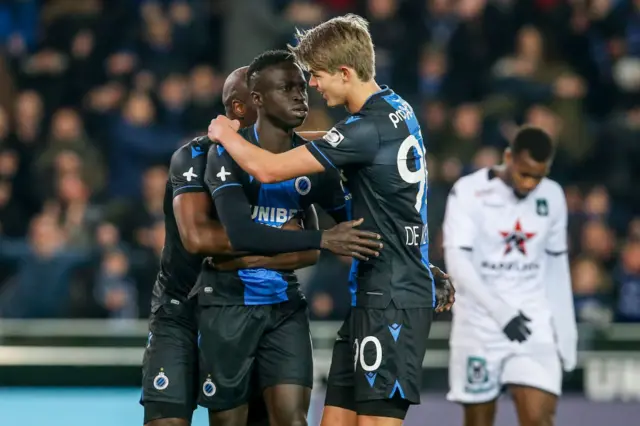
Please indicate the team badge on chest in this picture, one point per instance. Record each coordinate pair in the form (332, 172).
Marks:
(302, 185)
(541, 207)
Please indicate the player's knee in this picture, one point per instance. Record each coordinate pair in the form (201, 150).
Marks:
(290, 417)
(537, 416)
(234, 417)
(479, 414)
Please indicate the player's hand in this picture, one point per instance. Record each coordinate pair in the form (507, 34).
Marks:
(294, 224)
(220, 126)
(445, 292)
(516, 329)
(344, 240)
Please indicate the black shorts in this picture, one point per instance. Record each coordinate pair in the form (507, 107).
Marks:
(378, 355)
(169, 366)
(271, 341)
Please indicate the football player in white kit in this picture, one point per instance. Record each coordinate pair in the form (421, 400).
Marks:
(505, 240)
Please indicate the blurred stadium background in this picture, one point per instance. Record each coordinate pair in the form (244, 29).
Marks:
(96, 94)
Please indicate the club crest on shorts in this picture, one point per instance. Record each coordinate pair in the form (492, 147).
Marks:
(161, 381)
(302, 185)
(477, 375)
(208, 388)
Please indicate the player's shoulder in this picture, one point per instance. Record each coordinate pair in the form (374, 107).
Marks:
(473, 182)
(549, 188)
(195, 148)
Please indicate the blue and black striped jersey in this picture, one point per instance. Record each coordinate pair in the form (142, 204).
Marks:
(381, 152)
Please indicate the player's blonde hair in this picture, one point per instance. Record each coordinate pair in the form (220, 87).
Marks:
(342, 41)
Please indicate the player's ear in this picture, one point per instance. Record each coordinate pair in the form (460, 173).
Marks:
(239, 108)
(507, 156)
(345, 73)
(257, 99)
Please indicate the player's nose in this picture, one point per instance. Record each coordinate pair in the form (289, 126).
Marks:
(313, 82)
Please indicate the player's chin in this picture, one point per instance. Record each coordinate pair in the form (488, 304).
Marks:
(296, 119)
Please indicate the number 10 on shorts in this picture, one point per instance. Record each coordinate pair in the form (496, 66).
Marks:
(359, 349)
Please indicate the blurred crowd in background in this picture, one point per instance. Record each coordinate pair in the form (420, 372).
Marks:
(95, 95)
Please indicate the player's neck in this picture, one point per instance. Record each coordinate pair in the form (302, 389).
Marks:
(359, 94)
(273, 138)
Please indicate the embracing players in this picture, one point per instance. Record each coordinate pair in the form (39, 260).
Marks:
(256, 319)
(380, 150)
(170, 383)
(505, 239)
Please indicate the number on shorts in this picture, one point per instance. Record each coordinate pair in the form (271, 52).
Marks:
(418, 176)
(359, 349)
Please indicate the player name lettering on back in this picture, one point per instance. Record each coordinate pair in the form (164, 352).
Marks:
(404, 112)
(416, 235)
(273, 216)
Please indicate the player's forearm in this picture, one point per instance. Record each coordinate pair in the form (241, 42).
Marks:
(208, 238)
(560, 295)
(246, 235)
(285, 261)
(467, 280)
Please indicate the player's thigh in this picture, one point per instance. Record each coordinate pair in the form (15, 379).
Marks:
(389, 348)
(475, 376)
(258, 414)
(287, 404)
(169, 371)
(535, 382)
(340, 397)
(285, 354)
(229, 336)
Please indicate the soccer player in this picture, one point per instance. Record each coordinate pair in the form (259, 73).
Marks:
(263, 312)
(505, 240)
(380, 150)
(170, 361)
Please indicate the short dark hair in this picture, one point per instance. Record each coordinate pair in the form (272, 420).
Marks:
(265, 60)
(534, 141)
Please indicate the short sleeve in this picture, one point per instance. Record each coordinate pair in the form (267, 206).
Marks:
(221, 171)
(186, 170)
(557, 241)
(459, 227)
(352, 141)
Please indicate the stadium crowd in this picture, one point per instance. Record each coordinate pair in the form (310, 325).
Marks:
(95, 95)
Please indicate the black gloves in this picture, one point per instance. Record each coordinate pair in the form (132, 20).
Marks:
(516, 329)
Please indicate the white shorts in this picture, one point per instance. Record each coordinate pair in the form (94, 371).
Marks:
(477, 375)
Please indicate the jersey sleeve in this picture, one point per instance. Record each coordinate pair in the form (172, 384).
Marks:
(349, 142)
(557, 241)
(221, 172)
(186, 172)
(459, 228)
(331, 194)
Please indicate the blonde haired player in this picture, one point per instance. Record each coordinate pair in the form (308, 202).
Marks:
(377, 359)
(505, 240)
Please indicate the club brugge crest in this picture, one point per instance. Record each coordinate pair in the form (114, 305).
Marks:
(541, 207)
(161, 381)
(302, 185)
(208, 388)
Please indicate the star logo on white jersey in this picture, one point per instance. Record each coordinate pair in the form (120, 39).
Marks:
(223, 174)
(190, 175)
(516, 239)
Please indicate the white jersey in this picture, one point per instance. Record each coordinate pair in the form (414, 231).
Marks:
(509, 239)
